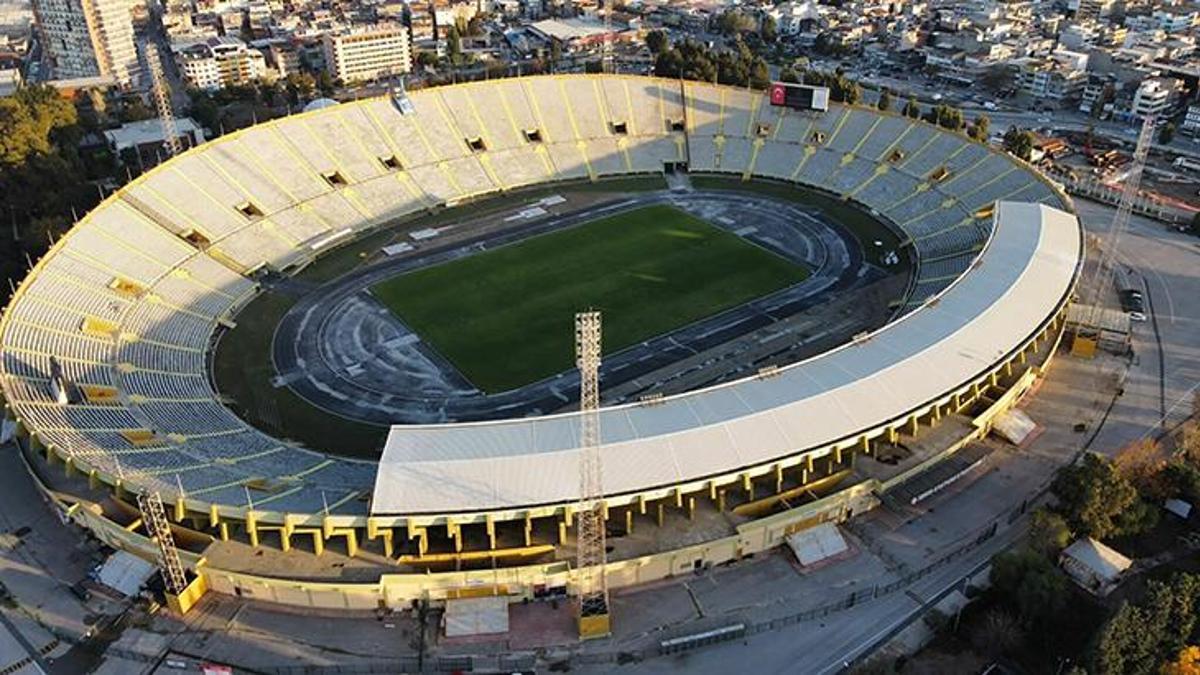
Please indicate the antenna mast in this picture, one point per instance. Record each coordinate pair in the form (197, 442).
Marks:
(162, 100)
(594, 619)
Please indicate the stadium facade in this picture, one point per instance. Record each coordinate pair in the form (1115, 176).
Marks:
(124, 308)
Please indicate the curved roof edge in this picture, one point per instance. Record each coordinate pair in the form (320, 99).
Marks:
(1020, 278)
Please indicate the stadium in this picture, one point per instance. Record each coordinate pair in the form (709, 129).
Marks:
(957, 260)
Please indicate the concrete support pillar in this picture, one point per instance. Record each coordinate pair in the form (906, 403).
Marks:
(721, 500)
(994, 379)
(491, 532)
(629, 521)
(691, 508)
(214, 516)
(528, 530)
(837, 455)
(1021, 357)
(804, 476)
(223, 529)
(562, 532)
(285, 540)
(892, 435)
(252, 528)
(748, 486)
(642, 504)
(661, 514)
(913, 425)
(93, 479)
(678, 498)
(351, 542)
(958, 402)
(319, 544)
(866, 445)
(778, 478)
(1008, 369)
(808, 459)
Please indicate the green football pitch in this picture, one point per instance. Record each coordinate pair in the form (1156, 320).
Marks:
(505, 318)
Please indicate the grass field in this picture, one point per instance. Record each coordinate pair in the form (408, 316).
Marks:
(505, 317)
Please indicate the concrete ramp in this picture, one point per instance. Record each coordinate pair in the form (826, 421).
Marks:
(476, 616)
(818, 543)
(1015, 427)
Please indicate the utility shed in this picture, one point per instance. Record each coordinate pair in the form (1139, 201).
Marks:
(1094, 566)
(476, 616)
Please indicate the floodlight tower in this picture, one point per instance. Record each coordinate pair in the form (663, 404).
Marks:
(1102, 279)
(162, 101)
(154, 517)
(594, 619)
(606, 54)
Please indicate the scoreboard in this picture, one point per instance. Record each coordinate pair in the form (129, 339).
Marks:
(800, 96)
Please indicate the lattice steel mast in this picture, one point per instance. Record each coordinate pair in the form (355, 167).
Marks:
(591, 558)
(1106, 267)
(162, 101)
(606, 53)
(154, 517)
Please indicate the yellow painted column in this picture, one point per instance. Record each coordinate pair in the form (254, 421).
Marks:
(661, 514)
(629, 521)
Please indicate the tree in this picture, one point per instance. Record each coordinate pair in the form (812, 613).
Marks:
(454, 45)
(912, 109)
(1142, 463)
(204, 109)
(427, 59)
(1049, 533)
(979, 130)
(786, 74)
(1186, 662)
(1099, 502)
(475, 26)
(1019, 142)
(997, 633)
(656, 42)
(734, 22)
(1139, 638)
(769, 30)
(885, 100)
(299, 87)
(1167, 133)
(1031, 585)
(325, 83)
(997, 78)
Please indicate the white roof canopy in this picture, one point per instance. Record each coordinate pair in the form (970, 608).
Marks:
(1018, 281)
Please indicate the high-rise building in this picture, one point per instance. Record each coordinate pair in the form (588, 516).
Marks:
(89, 38)
(368, 54)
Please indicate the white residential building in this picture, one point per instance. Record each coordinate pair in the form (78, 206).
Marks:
(89, 38)
(368, 54)
(1154, 96)
(1191, 122)
(220, 62)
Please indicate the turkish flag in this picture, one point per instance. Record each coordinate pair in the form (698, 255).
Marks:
(778, 94)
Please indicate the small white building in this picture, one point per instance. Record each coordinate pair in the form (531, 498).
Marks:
(1094, 566)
